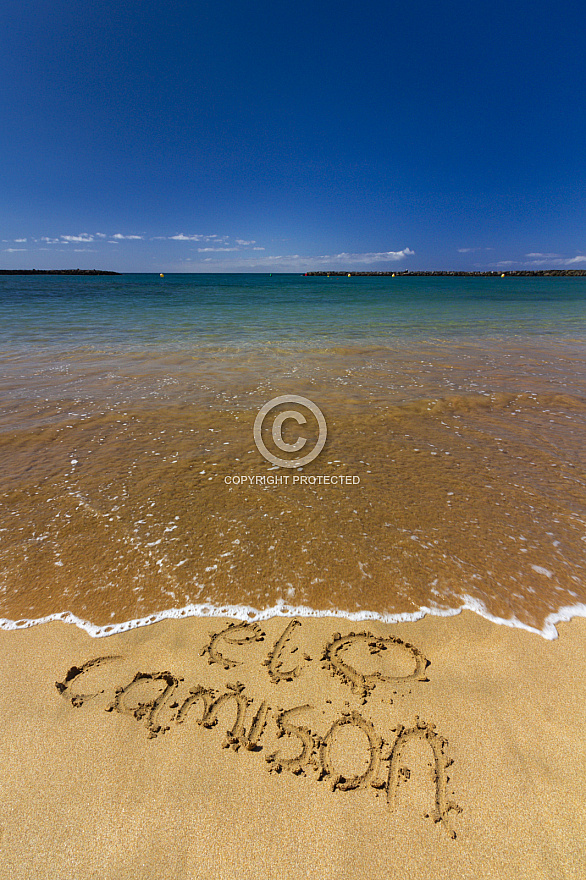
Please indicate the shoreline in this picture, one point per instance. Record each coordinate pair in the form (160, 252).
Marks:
(248, 614)
(214, 745)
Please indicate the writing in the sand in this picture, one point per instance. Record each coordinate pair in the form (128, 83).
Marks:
(314, 736)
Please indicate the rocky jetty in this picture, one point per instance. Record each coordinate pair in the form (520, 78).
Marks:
(515, 273)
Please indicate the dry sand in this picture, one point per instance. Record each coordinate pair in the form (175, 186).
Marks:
(450, 747)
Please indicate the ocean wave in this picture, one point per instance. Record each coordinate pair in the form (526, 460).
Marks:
(281, 609)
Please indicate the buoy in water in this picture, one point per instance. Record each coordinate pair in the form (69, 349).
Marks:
(349, 276)
(503, 275)
(161, 275)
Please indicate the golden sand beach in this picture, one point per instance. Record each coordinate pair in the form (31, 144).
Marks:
(314, 748)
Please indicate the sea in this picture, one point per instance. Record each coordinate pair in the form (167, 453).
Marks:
(251, 445)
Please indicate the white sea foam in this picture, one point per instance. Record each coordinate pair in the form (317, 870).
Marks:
(281, 609)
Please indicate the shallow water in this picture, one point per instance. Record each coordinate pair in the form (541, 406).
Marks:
(456, 413)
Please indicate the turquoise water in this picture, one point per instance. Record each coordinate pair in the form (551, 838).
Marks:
(182, 311)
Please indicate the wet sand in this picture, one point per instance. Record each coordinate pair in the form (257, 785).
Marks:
(314, 748)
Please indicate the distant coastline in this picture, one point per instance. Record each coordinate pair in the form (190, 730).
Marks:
(451, 273)
(57, 272)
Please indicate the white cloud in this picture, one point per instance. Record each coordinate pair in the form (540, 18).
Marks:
(244, 243)
(552, 260)
(300, 263)
(198, 237)
(101, 235)
(384, 257)
(467, 250)
(548, 261)
(13, 250)
(19, 240)
(83, 237)
(50, 240)
(258, 249)
(120, 237)
(205, 250)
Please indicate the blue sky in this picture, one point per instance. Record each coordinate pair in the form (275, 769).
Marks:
(197, 136)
